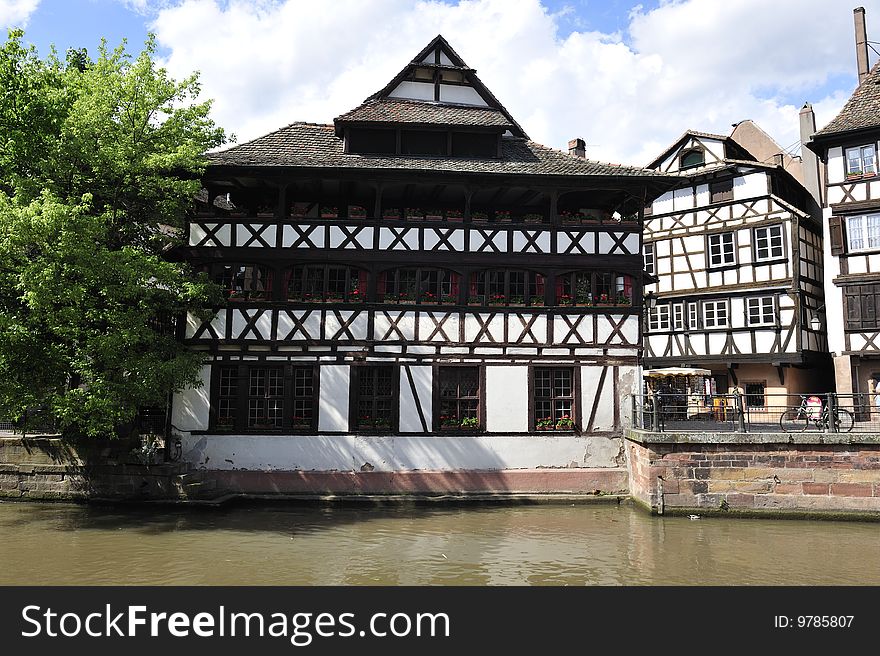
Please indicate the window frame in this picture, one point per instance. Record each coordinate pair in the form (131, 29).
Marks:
(650, 258)
(862, 171)
(716, 303)
(437, 371)
(656, 318)
(769, 257)
(355, 296)
(761, 301)
(746, 396)
(479, 278)
(391, 277)
(241, 398)
(357, 371)
(721, 250)
(863, 230)
(574, 413)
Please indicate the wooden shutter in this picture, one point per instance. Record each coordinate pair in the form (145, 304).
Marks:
(835, 234)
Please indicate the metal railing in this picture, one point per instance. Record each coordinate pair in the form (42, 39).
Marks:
(751, 413)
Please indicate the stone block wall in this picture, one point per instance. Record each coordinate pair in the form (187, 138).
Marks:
(758, 476)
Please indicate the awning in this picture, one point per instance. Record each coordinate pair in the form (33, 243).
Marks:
(675, 371)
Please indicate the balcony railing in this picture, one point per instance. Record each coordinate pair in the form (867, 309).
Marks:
(756, 413)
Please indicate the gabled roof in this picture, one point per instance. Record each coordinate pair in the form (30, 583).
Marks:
(310, 145)
(861, 111)
(438, 55)
(687, 134)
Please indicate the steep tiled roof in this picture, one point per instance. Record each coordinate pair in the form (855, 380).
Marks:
(394, 110)
(308, 145)
(862, 110)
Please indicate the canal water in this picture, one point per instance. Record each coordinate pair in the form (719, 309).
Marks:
(596, 544)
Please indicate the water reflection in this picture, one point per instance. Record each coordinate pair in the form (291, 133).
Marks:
(486, 545)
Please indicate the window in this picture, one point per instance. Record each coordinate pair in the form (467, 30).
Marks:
(265, 397)
(715, 314)
(374, 397)
(760, 311)
(693, 316)
(691, 158)
(754, 395)
(649, 259)
(861, 160)
(506, 287)
(658, 318)
(259, 397)
(366, 140)
(721, 250)
(318, 283)
(861, 304)
(554, 398)
(721, 191)
(423, 142)
(863, 232)
(769, 243)
(459, 389)
(678, 316)
(593, 288)
(474, 144)
(244, 282)
(418, 286)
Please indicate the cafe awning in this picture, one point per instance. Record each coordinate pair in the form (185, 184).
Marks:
(675, 371)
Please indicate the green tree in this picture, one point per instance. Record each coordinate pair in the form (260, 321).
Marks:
(99, 163)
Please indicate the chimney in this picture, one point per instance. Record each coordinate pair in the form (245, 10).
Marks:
(861, 43)
(810, 161)
(578, 148)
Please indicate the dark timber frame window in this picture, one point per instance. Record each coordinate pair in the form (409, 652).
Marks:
(244, 282)
(722, 249)
(594, 288)
(317, 283)
(755, 394)
(459, 392)
(691, 158)
(861, 303)
(418, 285)
(261, 396)
(506, 287)
(374, 397)
(769, 243)
(553, 396)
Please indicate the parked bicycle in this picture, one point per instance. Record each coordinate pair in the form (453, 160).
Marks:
(813, 412)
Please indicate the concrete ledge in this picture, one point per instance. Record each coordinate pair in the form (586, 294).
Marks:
(671, 437)
(318, 483)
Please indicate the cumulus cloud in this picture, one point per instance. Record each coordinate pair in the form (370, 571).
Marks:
(698, 64)
(16, 13)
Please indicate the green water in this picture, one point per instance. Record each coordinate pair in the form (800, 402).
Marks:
(602, 544)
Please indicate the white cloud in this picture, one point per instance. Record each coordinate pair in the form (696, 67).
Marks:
(16, 13)
(698, 64)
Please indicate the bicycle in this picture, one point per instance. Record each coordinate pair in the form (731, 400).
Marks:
(813, 411)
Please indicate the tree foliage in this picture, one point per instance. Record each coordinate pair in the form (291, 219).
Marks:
(99, 162)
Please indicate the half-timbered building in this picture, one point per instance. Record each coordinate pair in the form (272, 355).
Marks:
(737, 258)
(851, 211)
(417, 286)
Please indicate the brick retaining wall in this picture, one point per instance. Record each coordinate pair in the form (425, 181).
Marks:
(758, 476)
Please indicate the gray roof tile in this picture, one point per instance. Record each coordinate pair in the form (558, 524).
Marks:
(309, 145)
(392, 110)
(862, 110)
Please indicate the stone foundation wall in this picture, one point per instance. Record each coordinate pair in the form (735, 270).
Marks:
(752, 473)
(49, 468)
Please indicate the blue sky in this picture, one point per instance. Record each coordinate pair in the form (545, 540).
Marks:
(627, 76)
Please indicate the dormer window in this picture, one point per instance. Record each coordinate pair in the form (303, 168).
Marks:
(691, 158)
(861, 160)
